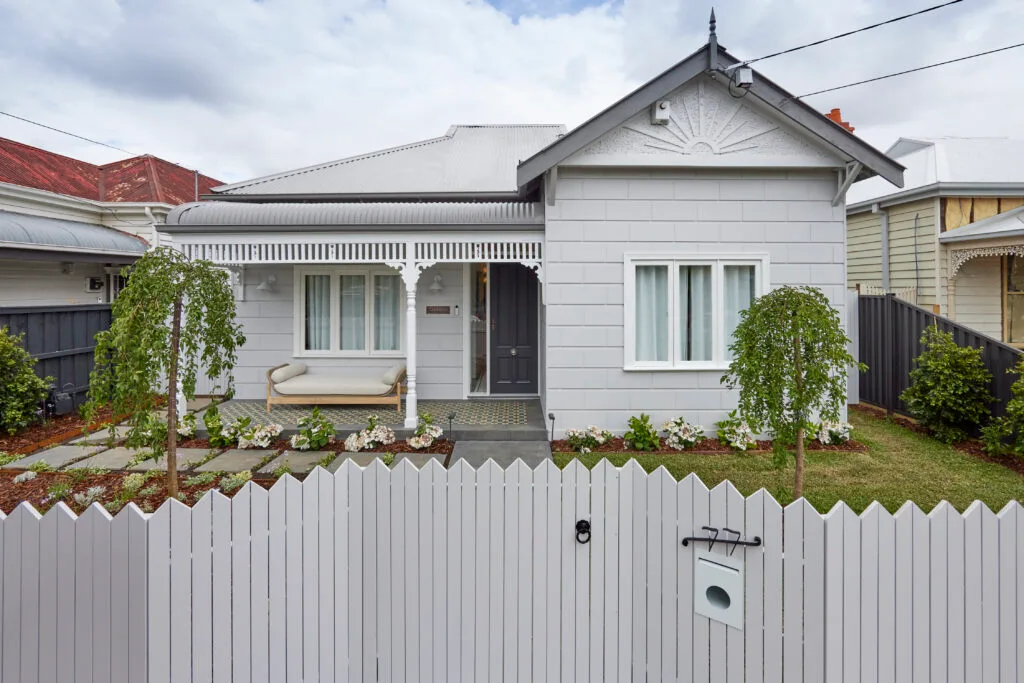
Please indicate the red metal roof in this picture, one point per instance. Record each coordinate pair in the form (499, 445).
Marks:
(144, 178)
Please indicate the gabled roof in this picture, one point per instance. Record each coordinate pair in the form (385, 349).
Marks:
(1007, 224)
(40, 233)
(139, 179)
(806, 118)
(977, 164)
(467, 160)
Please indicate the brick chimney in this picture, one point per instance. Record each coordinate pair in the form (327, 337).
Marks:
(837, 116)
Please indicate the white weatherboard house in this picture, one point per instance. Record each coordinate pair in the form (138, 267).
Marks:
(600, 270)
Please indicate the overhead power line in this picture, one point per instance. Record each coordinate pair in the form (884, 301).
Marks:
(859, 30)
(58, 130)
(910, 71)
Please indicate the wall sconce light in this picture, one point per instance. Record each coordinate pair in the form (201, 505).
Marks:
(267, 284)
(67, 268)
(437, 286)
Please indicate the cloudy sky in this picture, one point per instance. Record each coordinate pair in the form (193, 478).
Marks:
(239, 88)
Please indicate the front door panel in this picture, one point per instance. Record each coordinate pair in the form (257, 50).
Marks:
(513, 329)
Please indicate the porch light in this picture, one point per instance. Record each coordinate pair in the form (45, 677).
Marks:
(267, 284)
(437, 286)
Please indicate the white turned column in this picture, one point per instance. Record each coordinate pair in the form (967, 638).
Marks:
(411, 416)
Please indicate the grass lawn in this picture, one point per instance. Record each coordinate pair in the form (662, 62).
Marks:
(899, 466)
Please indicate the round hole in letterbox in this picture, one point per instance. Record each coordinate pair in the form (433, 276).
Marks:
(718, 597)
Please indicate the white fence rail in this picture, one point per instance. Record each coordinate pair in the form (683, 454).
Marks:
(466, 575)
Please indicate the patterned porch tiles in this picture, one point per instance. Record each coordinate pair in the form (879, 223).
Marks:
(487, 412)
(56, 456)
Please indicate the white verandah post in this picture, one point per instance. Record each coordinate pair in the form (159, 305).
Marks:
(410, 276)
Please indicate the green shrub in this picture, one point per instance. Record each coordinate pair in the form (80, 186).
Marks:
(21, 390)
(218, 436)
(315, 432)
(1005, 435)
(642, 436)
(949, 387)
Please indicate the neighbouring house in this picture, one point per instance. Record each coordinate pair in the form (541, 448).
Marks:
(601, 269)
(67, 227)
(952, 239)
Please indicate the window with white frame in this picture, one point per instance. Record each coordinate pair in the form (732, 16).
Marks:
(349, 311)
(681, 312)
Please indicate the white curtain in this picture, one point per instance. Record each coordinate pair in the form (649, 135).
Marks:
(318, 312)
(695, 312)
(739, 294)
(387, 310)
(353, 312)
(651, 313)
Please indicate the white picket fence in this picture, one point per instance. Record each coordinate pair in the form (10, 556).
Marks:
(464, 575)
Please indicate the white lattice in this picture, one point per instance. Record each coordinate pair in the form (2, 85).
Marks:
(238, 253)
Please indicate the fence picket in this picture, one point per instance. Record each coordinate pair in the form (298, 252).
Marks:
(973, 655)
(293, 577)
(815, 623)
(921, 594)
(461, 498)
(259, 596)
(327, 558)
(83, 605)
(1008, 588)
(938, 524)
(904, 542)
(433, 583)
(202, 589)
(491, 495)
(547, 498)
(851, 595)
(701, 625)
(736, 516)
(277, 550)
(753, 630)
(243, 580)
(310, 633)
(672, 555)
(220, 536)
(773, 579)
(604, 544)
(49, 611)
(181, 589)
(869, 608)
(717, 635)
(955, 599)
(654, 551)
(793, 595)
(516, 544)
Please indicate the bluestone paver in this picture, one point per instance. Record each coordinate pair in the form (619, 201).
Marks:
(187, 457)
(56, 456)
(235, 460)
(299, 462)
(476, 453)
(112, 459)
(417, 459)
(361, 459)
(100, 436)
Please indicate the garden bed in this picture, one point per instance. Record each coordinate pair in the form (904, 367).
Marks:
(58, 430)
(439, 447)
(704, 447)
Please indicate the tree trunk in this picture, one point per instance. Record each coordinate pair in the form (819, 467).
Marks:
(798, 479)
(172, 403)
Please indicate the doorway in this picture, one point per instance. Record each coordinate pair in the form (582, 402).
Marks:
(503, 326)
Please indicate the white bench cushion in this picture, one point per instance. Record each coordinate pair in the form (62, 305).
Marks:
(287, 372)
(332, 385)
(391, 376)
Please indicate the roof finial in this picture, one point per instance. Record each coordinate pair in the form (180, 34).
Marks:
(712, 23)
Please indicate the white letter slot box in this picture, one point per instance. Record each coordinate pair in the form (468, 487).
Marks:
(718, 588)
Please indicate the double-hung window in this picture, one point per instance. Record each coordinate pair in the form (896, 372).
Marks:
(681, 312)
(349, 311)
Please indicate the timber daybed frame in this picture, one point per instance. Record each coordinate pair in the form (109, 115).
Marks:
(394, 395)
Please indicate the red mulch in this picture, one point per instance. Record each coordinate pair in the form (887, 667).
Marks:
(57, 430)
(195, 443)
(441, 446)
(35, 491)
(704, 447)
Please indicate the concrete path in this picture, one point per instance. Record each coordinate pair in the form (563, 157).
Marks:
(418, 459)
(112, 459)
(476, 453)
(186, 458)
(235, 460)
(100, 436)
(298, 462)
(361, 459)
(56, 457)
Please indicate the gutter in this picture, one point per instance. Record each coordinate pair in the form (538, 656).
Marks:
(359, 227)
(368, 197)
(69, 250)
(937, 189)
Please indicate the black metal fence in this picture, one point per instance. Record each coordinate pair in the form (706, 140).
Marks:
(62, 338)
(890, 340)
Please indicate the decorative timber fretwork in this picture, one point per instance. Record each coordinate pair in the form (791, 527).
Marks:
(958, 257)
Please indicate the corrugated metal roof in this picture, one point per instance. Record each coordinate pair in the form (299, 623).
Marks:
(995, 161)
(1008, 224)
(139, 179)
(20, 230)
(362, 213)
(465, 160)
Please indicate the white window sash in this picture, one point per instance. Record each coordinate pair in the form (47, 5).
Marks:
(335, 272)
(719, 356)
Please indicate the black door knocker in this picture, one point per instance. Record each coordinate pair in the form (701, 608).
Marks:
(583, 532)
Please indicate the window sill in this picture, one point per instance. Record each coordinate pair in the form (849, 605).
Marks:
(695, 367)
(348, 354)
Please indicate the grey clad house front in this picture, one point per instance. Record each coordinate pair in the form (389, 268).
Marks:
(601, 269)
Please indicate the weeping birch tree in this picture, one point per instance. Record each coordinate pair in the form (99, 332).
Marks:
(790, 364)
(174, 319)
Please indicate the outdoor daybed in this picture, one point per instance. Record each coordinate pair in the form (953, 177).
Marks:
(294, 386)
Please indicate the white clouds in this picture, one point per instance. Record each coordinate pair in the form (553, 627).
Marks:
(239, 88)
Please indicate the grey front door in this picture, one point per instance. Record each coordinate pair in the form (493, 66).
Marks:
(513, 329)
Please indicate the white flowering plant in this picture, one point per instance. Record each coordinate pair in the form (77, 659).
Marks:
(187, 426)
(315, 432)
(373, 436)
(735, 432)
(426, 432)
(259, 436)
(681, 434)
(90, 496)
(27, 475)
(833, 433)
(585, 440)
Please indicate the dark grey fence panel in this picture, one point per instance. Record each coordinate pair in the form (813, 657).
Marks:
(890, 340)
(62, 338)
